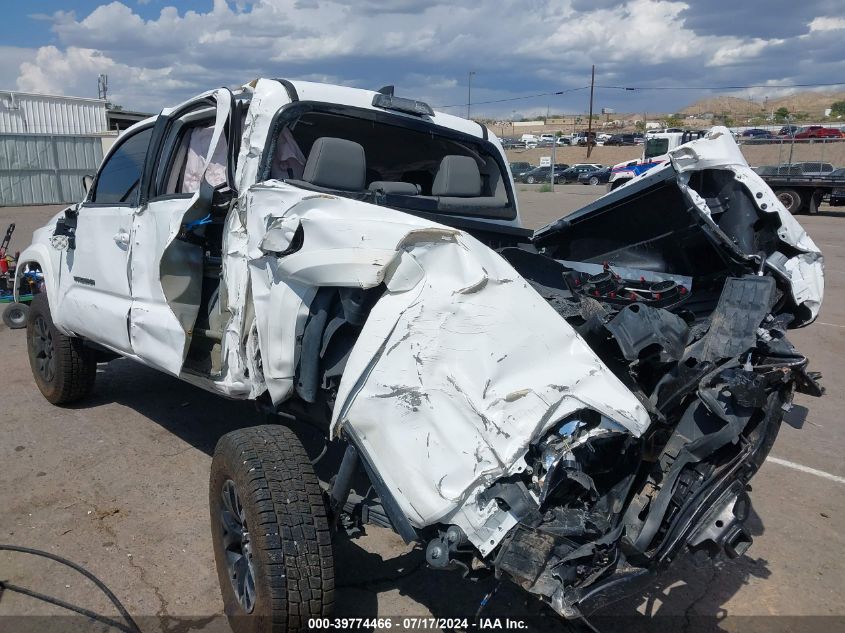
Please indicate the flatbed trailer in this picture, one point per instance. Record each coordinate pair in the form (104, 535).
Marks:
(802, 193)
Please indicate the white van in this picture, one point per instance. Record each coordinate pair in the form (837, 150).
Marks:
(530, 139)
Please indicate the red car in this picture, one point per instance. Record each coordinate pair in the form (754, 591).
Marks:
(818, 131)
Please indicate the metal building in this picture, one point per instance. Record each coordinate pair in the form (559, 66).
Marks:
(47, 143)
(26, 113)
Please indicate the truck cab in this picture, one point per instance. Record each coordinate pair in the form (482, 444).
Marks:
(655, 152)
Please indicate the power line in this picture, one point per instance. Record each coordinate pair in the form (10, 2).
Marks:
(633, 88)
(542, 94)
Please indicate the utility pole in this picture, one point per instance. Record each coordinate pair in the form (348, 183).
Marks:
(469, 90)
(590, 122)
(102, 87)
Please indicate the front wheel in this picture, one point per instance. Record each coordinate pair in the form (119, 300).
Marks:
(270, 533)
(594, 181)
(63, 368)
(530, 180)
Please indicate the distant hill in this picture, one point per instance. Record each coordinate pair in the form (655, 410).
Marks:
(813, 103)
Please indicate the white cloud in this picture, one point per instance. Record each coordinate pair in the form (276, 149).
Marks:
(425, 48)
(827, 24)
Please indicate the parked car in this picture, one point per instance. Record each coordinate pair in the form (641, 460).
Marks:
(815, 168)
(518, 169)
(599, 176)
(542, 174)
(818, 131)
(788, 130)
(621, 139)
(356, 261)
(757, 133)
(572, 173)
(580, 138)
(512, 143)
(564, 140)
(805, 168)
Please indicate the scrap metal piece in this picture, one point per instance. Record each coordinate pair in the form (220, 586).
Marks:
(639, 327)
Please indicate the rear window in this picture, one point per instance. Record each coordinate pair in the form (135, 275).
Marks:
(656, 147)
(395, 153)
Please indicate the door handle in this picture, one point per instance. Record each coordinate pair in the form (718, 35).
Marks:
(121, 238)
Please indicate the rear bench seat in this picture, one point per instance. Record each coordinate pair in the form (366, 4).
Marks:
(457, 188)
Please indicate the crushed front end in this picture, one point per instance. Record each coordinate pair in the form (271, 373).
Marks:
(684, 283)
(684, 286)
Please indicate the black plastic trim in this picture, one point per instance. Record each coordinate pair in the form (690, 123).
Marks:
(291, 90)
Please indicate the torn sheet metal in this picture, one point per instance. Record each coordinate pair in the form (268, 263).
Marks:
(718, 150)
(479, 365)
(443, 376)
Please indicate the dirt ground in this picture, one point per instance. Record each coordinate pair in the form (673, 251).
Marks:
(755, 153)
(119, 485)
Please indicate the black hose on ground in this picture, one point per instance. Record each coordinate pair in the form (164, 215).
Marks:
(129, 627)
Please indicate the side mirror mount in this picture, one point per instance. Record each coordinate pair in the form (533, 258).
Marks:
(87, 181)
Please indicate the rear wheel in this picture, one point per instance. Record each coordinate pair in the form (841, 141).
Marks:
(14, 316)
(270, 533)
(63, 368)
(790, 199)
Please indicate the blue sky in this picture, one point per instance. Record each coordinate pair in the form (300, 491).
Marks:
(157, 54)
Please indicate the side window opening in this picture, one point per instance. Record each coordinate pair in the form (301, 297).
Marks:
(183, 159)
(120, 176)
(188, 161)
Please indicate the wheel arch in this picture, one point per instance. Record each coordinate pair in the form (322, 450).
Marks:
(38, 256)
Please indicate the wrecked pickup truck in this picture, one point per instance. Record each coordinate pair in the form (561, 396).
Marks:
(569, 409)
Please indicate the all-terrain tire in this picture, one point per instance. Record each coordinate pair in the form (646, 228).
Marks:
(63, 368)
(790, 199)
(15, 315)
(269, 531)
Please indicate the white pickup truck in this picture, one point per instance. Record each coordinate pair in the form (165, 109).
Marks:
(569, 409)
(655, 152)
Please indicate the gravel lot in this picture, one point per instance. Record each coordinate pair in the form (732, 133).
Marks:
(119, 484)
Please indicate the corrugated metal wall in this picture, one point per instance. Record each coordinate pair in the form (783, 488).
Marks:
(46, 169)
(22, 113)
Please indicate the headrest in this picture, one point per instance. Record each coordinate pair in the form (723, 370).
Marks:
(457, 176)
(335, 163)
(395, 187)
